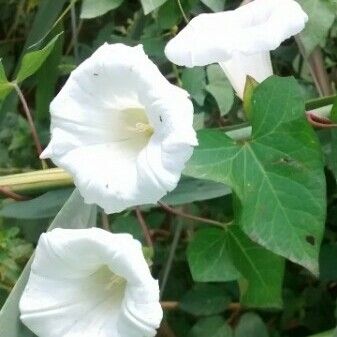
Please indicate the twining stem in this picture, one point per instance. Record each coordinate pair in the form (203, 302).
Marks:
(8, 193)
(105, 221)
(320, 107)
(176, 73)
(72, 42)
(316, 59)
(315, 62)
(144, 227)
(170, 259)
(182, 11)
(174, 305)
(30, 123)
(169, 305)
(74, 32)
(190, 216)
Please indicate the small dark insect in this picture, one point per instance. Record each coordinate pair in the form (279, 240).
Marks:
(310, 239)
(95, 74)
(160, 118)
(107, 186)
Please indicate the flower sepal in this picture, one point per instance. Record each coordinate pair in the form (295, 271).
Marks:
(248, 92)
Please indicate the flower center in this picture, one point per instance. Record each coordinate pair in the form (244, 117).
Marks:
(143, 127)
(135, 120)
(115, 282)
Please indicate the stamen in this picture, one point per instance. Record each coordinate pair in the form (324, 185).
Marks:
(142, 128)
(115, 281)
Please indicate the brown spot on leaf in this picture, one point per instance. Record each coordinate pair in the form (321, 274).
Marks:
(310, 239)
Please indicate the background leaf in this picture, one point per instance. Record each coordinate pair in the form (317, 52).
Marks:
(32, 61)
(214, 326)
(321, 16)
(43, 207)
(220, 88)
(205, 300)
(194, 81)
(93, 8)
(215, 5)
(190, 190)
(151, 5)
(251, 325)
(47, 13)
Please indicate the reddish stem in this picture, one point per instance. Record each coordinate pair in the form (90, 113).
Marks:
(143, 225)
(320, 122)
(189, 216)
(7, 192)
(30, 123)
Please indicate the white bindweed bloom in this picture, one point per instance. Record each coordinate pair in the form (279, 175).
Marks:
(121, 129)
(239, 40)
(90, 283)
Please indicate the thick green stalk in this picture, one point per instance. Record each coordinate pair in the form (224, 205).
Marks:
(36, 181)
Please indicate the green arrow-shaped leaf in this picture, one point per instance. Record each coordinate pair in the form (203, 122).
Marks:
(227, 254)
(32, 61)
(277, 175)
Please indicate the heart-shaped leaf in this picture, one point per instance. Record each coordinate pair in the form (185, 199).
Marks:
(277, 174)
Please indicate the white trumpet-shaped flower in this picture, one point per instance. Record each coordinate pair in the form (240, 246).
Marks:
(90, 283)
(121, 129)
(239, 40)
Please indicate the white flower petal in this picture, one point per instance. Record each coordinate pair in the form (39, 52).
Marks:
(240, 65)
(102, 125)
(259, 26)
(240, 40)
(89, 282)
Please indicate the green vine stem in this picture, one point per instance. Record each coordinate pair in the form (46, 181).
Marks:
(40, 181)
(320, 102)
